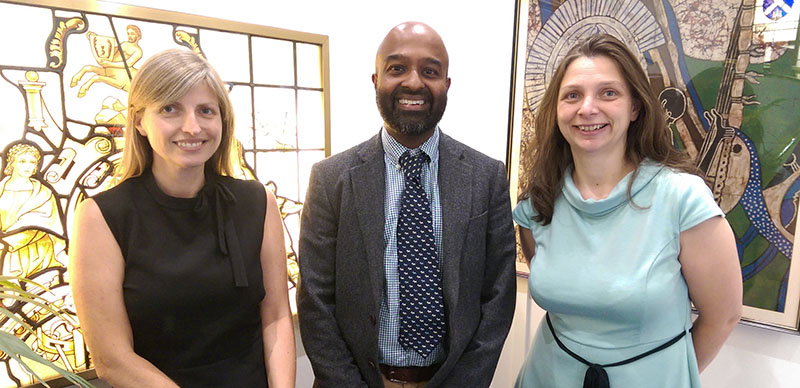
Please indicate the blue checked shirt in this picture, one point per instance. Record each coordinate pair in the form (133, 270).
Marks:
(391, 352)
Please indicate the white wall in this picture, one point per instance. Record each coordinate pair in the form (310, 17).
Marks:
(478, 37)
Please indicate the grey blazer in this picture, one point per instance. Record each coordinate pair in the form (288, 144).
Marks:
(342, 265)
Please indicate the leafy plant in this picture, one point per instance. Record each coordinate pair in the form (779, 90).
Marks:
(14, 347)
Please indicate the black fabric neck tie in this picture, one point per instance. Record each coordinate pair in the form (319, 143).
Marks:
(228, 240)
(421, 303)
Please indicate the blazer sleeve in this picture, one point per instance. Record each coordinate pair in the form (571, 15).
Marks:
(477, 364)
(331, 360)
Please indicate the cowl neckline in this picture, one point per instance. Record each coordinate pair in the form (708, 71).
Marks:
(617, 197)
(215, 195)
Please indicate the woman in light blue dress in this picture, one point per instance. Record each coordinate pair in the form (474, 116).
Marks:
(621, 237)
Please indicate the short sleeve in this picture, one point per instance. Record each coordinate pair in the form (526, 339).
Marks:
(696, 202)
(523, 214)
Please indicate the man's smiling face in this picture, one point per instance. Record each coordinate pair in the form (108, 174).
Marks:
(411, 80)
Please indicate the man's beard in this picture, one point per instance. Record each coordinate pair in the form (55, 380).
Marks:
(411, 122)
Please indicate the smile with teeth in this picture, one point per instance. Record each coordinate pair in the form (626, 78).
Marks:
(590, 128)
(405, 101)
(188, 144)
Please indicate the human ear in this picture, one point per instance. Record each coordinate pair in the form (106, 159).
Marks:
(137, 122)
(635, 107)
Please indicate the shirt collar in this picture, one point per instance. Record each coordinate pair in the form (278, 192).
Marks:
(393, 149)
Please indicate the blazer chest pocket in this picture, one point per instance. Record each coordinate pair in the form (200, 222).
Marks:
(479, 217)
(476, 228)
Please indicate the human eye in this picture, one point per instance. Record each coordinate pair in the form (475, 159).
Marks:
(569, 96)
(395, 69)
(430, 72)
(610, 93)
(208, 110)
(169, 108)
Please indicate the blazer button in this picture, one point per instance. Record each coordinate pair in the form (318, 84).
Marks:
(373, 320)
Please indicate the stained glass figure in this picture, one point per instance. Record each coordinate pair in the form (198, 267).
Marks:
(62, 121)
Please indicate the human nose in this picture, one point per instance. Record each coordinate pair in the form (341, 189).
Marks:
(413, 81)
(587, 106)
(190, 124)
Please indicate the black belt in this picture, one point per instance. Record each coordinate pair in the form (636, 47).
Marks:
(596, 376)
(409, 374)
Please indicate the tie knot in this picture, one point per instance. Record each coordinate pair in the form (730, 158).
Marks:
(412, 164)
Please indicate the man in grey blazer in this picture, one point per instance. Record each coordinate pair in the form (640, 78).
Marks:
(401, 288)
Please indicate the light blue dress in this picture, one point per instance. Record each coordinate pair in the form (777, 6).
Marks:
(608, 273)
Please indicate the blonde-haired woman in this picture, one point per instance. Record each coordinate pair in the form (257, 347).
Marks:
(621, 237)
(179, 271)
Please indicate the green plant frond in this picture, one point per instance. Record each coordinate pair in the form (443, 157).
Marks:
(45, 305)
(17, 350)
(6, 278)
(7, 293)
(16, 319)
(10, 286)
(37, 300)
(14, 283)
(28, 369)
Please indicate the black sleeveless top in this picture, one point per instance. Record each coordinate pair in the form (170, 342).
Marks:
(193, 281)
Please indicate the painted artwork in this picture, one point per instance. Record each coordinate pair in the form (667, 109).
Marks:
(64, 78)
(728, 76)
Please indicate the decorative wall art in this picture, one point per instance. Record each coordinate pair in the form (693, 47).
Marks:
(728, 76)
(64, 75)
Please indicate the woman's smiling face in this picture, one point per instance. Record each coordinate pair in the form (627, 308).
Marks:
(183, 134)
(595, 107)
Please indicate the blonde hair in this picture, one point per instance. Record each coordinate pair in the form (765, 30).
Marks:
(17, 150)
(165, 78)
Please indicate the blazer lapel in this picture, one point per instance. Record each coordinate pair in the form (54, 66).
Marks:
(369, 188)
(455, 193)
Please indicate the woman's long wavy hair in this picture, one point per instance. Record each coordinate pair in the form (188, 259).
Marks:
(165, 78)
(648, 136)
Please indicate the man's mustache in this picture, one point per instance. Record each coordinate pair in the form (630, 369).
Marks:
(424, 92)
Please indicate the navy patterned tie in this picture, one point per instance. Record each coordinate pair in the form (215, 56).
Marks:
(421, 302)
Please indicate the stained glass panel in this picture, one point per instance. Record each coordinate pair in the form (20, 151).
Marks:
(241, 97)
(286, 162)
(310, 117)
(276, 118)
(273, 61)
(64, 78)
(220, 47)
(309, 72)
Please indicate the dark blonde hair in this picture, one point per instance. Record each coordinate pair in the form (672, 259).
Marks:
(648, 136)
(164, 78)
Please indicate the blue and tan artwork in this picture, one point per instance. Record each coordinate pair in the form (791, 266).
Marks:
(64, 78)
(728, 76)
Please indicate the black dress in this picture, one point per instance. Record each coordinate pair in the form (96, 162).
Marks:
(193, 281)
